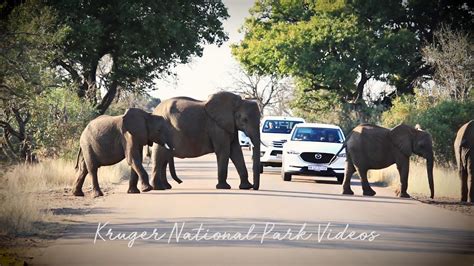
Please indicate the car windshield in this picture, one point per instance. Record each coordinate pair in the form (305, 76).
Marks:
(331, 135)
(279, 126)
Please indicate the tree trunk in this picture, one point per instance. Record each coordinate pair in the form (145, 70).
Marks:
(108, 98)
(360, 88)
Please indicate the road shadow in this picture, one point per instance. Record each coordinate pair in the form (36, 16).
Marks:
(287, 194)
(78, 211)
(392, 237)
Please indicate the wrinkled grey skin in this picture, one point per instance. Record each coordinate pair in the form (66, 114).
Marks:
(109, 139)
(373, 147)
(464, 152)
(202, 127)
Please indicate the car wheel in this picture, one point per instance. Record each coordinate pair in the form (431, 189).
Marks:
(286, 176)
(340, 178)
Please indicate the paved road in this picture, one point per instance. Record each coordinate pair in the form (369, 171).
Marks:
(284, 223)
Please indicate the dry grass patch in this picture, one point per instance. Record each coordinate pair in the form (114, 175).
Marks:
(20, 208)
(446, 180)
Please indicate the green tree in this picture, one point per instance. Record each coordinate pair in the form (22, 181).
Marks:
(327, 46)
(143, 39)
(333, 48)
(30, 38)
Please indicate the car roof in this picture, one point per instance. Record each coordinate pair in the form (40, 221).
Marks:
(282, 118)
(317, 125)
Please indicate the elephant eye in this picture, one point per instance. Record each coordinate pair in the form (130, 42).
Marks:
(245, 120)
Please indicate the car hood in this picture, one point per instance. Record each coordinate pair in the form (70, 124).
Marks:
(269, 137)
(310, 146)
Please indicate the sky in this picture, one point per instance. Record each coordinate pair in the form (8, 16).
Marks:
(211, 72)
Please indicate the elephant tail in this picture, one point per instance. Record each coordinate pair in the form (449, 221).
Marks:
(173, 171)
(77, 158)
(337, 154)
(344, 145)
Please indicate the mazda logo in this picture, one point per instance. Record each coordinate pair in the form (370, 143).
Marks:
(318, 156)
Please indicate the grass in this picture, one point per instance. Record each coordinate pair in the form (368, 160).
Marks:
(20, 209)
(446, 180)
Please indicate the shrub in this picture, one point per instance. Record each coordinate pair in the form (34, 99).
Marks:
(442, 118)
(19, 207)
(57, 122)
(443, 121)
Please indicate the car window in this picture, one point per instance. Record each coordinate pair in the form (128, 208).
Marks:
(331, 135)
(279, 126)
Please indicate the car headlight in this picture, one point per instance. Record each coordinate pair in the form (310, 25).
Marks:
(292, 152)
(341, 155)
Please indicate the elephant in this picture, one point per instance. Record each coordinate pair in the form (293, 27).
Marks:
(374, 147)
(107, 140)
(203, 127)
(464, 153)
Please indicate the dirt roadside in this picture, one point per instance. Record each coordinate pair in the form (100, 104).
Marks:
(60, 208)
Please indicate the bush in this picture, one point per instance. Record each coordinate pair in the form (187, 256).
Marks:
(443, 122)
(57, 122)
(441, 118)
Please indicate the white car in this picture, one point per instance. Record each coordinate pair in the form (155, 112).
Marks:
(274, 132)
(243, 139)
(310, 150)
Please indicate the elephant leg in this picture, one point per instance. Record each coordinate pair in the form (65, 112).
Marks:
(470, 176)
(95, 183)
(464, 188)
(350, 170)
(237, 158)
(133, 182)
(222, 165)
(137, 167)
(163, 178)
(159, 168)
(158, 162)
(81, 176)
(403, 172)
(367, 190)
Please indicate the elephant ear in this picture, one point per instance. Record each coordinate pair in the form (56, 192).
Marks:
(402, 137)
(221, 108)
(134, 121)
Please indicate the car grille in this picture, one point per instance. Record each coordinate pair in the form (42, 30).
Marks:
(275, 153)
(278, 143)
(310, 157)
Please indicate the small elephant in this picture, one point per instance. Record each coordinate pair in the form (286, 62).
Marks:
(109, 139)
(202, 127)
(464, 152)
(373, 147)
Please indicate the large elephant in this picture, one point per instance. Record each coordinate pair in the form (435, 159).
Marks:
(373, 147)
(202, 127)
(109, 139)
(464, 152)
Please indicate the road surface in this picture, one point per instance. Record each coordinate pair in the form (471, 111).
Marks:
(284, 223)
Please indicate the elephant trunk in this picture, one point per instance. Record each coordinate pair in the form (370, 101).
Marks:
(255, 138)
(429, 170)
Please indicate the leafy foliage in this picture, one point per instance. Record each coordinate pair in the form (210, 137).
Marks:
(332, 48)
(30, 40)
(442, 118)
(57, 122)
(329, 45)
(143, 39)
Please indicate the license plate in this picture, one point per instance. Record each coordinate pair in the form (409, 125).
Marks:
(317, 168)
